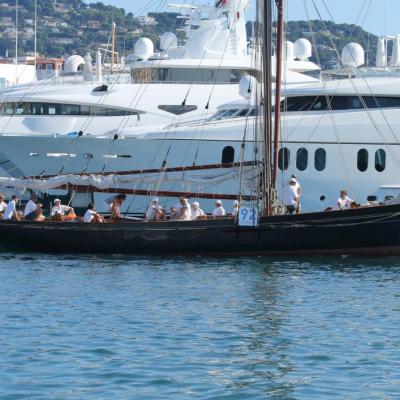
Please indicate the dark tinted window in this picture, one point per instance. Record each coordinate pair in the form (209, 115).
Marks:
(301, 159)
(362, 160)
(228, 154)
(320, 159)
(283, 158)
(39, 108)
(380, 160)
(320, 103)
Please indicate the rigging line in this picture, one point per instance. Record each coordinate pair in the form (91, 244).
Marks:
(217, 21)
(143, 86)
(347, 174)
(222, 56)
(372, 119)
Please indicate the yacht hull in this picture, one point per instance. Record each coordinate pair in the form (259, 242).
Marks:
(372, 231)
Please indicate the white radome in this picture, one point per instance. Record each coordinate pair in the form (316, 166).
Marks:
(353, 55)
(302, 49)
(168, 40)
(73, 63)
(144, 48)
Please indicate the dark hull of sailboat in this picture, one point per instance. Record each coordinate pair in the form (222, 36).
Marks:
(371, 231)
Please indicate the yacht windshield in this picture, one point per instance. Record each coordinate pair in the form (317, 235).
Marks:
(234, 113)
(188, 75)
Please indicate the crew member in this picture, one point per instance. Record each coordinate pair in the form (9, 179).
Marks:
(31, 208)
(298, 191)
(290, 197)
(197, 212)
(236, 207)
(183, 211)
(91, 215)
(59, 210)
(11, 210)
(155, 212)
(3, 205)
(219, 211)
(344, 202)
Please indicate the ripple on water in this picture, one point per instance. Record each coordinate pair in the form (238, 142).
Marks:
(92, 327)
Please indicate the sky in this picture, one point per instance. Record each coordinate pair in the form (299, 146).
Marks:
(370, 14)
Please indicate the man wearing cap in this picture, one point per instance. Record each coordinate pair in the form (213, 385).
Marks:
(197, 212)
(298, 191)
(60, 209)
(155, 211)
(290, 197)
(183, 210)
(11, 210)
(219, 211)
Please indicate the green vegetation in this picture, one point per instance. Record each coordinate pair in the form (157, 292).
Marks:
(75, 27)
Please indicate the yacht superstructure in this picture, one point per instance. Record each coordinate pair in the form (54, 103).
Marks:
(344, 132)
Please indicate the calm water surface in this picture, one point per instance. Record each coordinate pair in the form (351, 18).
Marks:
(151, 328)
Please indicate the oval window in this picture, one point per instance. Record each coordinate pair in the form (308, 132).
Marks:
(320, 159)
(283, 158)
(228, 154)
(380, 160)
(362, 160)
(301, 159)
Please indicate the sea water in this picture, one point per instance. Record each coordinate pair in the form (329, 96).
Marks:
(92, 327)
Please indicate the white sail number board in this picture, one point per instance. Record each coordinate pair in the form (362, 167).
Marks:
(248, 216)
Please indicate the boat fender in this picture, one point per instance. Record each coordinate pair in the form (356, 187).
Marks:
(80, 133)
(115, 137)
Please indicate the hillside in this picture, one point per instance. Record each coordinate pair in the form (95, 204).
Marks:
(74, 27)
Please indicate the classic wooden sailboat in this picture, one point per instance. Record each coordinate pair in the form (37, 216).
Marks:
(258, 230)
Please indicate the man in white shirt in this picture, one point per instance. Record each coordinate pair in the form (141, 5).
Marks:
(155, 211)
(3, 204)
(183, 210)
(197, 212)
(290, 197)
(60, 209)
(298, 191)
(344, 202)
(91, 215)
(11, 210)
(235, 210)
(219, 211)
(31, 207)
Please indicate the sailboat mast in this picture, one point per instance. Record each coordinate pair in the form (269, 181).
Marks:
(267, 73)
(278, 85)
(112, 46)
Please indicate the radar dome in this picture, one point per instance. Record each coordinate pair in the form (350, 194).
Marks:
(302, 49)
(289, 50)
(168, 40)
(73, 64)
(247, 86)
(352, 55)
(144, 48)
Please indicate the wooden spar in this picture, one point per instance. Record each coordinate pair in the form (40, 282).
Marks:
(267, 54)
(159, 170)
(161, 193)
(112, 46)
(278, 84)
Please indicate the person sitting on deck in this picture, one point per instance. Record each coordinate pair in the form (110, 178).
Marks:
(290, 197)
(92, 216)
(116, 207)
(236, 207)
(344, 202)
(197, 212)
(31, 207)
(11, 210)
(39, 214)
(219, 211)
(59, 210)
(3, 205)
(155, 212)
(183, 210)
